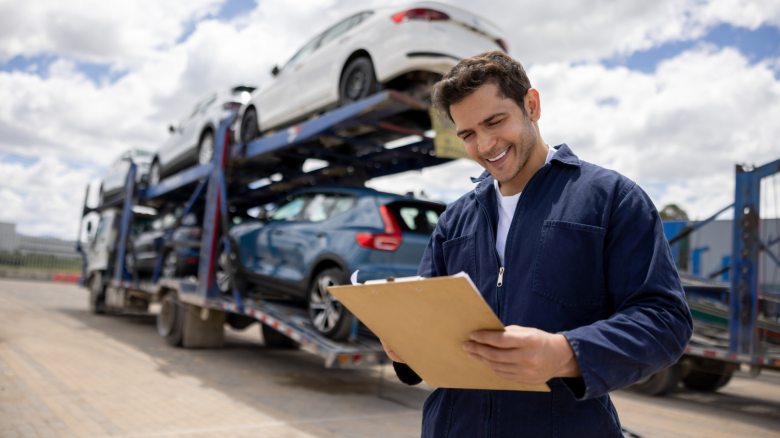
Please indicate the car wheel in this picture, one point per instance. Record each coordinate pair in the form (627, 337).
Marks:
(170, 262)
(206, 148)
(659, 383)
(250, 130)
(225, 270)
(155, 173)
(170, 320)
(357, 82)
(328, 315)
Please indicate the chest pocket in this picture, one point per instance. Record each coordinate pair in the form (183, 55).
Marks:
(460, 255)
(569, 267)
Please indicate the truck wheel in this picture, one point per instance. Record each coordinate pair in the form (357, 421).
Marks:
(706, 382)
(659, 383)
(170, 320)
(274, 339)
(358, 81)
(97, 294)
(328, 315)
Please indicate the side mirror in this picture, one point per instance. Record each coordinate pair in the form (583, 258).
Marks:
(171, 129)
(275, 70)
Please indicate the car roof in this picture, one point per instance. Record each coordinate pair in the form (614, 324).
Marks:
(363, 191)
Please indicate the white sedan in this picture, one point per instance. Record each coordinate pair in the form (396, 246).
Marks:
(405, 48)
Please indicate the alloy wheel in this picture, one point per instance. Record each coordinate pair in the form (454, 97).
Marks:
(324, 307)
(356, 83)
(206, 151)
(222, 274)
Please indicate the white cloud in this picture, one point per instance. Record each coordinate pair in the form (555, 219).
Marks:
(44, 198)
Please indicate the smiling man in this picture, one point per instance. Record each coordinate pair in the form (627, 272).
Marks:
(570, 256)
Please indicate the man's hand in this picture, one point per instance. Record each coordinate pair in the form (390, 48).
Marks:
(391, 353)
(524, 355)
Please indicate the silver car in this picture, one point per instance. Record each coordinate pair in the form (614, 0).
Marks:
(115, 177)
(192, 142)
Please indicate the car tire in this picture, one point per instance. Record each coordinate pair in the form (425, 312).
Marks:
(250, 129)
(660, 383)
(328, 316)
(155, 173)
(170, 320)
(357, 82)
(226, 273)
(170, 267)
(706, 382)
(97, 294)
(206, 148)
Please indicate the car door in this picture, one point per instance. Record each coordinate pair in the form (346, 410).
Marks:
(267, 258)
(318, 74)
(280, 101)
(299, 242)
(171, 151)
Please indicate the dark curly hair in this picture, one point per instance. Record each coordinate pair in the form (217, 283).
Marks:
(469, 74)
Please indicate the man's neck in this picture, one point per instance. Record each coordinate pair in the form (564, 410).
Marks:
(535, 162)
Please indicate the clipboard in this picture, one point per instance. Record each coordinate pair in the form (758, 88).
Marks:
(426, 321)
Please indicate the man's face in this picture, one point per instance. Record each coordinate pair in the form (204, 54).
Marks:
(495, 132)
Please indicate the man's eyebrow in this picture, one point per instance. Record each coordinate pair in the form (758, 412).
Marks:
(487, 120)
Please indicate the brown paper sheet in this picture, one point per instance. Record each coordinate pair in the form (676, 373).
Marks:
(426, 323)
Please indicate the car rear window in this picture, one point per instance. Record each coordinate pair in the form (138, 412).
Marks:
(416, 217)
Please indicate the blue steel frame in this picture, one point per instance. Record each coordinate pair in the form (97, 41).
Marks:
(215, 214)
(120, 270)
(743, 306)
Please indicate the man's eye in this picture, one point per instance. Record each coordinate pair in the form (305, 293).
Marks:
(466, 136)
(495, 123)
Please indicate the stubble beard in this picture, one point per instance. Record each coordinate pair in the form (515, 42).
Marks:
(525, 145)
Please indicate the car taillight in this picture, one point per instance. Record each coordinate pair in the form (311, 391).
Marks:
(503, 45)
(390, 240)
(419, 14)
(234, 106)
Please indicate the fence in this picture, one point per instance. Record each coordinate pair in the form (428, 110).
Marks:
(41, 258)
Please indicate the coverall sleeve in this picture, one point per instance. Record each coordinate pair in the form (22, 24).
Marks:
(651, 323)
(432, 265)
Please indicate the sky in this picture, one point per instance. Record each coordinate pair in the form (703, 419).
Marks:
(671, 94)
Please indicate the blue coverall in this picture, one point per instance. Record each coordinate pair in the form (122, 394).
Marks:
(586, 257)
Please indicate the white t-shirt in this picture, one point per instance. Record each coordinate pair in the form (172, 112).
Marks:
(506, 211)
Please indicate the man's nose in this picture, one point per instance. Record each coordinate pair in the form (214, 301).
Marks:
(486, 143)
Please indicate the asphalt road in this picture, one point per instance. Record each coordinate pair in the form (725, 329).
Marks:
(67, 373)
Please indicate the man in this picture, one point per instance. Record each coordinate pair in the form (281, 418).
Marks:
(570, 256)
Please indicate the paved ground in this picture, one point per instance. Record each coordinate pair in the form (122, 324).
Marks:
(67, 373)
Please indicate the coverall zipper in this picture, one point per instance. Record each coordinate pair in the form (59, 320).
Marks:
(500, 282)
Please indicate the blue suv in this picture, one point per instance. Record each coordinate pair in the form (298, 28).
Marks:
(317, 237)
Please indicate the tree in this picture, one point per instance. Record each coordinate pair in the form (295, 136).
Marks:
(673, 213)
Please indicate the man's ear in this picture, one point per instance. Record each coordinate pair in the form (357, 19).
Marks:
(533, 105)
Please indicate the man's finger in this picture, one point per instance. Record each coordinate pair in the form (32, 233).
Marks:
(497, 366)
(491, 353)
(513, 338)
